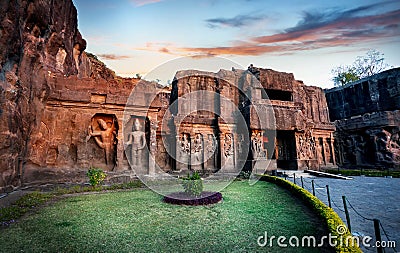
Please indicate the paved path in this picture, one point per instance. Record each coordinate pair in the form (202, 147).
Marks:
(372, 197)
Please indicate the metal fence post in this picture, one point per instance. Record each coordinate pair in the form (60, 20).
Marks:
(313, 187)
(378, 237)
(347, 213)
(329, 196)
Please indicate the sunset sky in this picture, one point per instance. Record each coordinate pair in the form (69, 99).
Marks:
(307, 38)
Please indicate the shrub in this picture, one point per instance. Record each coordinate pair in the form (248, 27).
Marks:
(245, 174)
(193, 184)
(96, 176)
(368, 173)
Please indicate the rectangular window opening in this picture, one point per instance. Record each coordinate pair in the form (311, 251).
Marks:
(277, 95)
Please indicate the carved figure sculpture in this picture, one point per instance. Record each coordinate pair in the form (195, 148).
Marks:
(359, 149)
(382, 146)
(395, 146)
(210, 145)
(257, 145)
(198, 148)
(254, 145)
(228, 148)
(185, 145)
(137, 140)
(105, 139)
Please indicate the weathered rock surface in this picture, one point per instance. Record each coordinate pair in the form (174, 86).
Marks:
(303, 131)
(38, 38)
(62, 110)
(367, 119)
(41, 48)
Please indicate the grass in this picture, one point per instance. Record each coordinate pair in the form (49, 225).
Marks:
(368, 173)
(330, 217)
(138, 221)
(9, 215)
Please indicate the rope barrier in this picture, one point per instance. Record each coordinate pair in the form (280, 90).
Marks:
(318, 185)
(384, 232)
(365, 218)
(337, 206)
(321, 192)
(306, 188)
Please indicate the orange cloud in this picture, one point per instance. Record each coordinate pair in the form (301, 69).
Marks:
(339, 30)
(329, 28)
(113, 57)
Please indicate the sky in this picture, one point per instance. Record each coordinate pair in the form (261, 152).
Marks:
(303, 37)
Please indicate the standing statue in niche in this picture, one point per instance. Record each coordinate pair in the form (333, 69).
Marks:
(257, 145)
(210, 145)
(185, 144)
(105, 139)
(254, 145)
(228, 147)
(137, 140)
(359, 149)
(382, 146)
(198, 148)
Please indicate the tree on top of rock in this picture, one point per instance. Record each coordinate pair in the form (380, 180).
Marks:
(373, 62)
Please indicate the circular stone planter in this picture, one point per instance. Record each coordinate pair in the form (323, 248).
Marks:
(183, 198)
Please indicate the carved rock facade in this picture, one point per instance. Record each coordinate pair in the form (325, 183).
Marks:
(62, 111)
(367, 119)
(300, 135)
(304, 134)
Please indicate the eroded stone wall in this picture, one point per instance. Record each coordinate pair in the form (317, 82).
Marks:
(367, 119)
(304, 132)
(39, 38)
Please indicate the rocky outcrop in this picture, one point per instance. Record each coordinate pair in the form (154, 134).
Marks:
(63, 111)
(377, 93)
(367, 119)
(91, 66)
(298, 136)
(304, 133)
(40, 44)
(38, 39)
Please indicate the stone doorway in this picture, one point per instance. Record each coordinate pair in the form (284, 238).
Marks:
(286, 150)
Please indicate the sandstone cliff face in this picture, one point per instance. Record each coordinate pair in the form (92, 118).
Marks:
(39, 39)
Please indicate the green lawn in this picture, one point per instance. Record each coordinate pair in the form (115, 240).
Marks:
(138, 221)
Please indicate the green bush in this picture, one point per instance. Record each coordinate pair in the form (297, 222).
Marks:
(368, 173)
(193, 184)
(96, 176)
(244, 174)
(328, 214)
